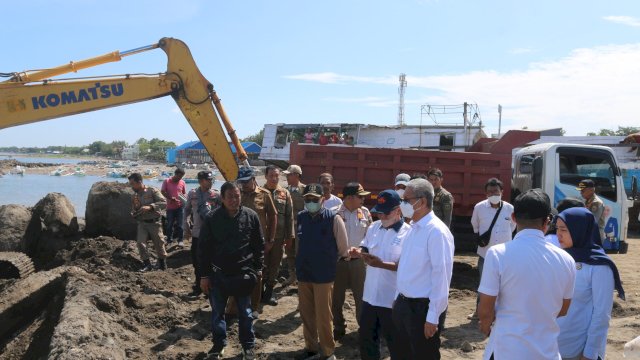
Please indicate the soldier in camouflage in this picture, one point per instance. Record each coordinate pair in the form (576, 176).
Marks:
(592, 202)
(296, 189)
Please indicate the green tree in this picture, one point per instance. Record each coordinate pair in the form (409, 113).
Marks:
(256, 138)
(622, 131)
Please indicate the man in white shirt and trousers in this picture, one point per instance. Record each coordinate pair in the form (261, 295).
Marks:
(424, 273)
(527, 283)
(381, 250)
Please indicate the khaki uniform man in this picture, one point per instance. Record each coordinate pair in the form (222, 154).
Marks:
(442, 199)
(259, 200)
(148, 204)
(284, 231)
(296, 189)
(592, 202)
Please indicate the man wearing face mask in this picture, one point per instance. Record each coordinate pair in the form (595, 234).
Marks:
(381, 250)
(401, 183)
(322, 240)
(483, 214)
(424, 273)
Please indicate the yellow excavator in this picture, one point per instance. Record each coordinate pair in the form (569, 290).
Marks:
(33, 96)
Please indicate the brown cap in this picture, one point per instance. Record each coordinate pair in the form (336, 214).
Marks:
(354, 188)
(293, 169)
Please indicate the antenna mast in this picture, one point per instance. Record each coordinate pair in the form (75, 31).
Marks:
(403, 85)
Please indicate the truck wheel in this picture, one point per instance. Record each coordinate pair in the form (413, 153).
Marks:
(624, 246)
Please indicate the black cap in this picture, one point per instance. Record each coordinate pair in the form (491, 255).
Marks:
(387, 201)
(245, 173)
(532, 204)
(586, 183)
(354, 188)
(205, 175)
(314, 190)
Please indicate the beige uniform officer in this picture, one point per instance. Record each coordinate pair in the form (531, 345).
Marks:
(442, 199)
(147, 208)
(587, 189)
(284, 231)
(296, 189)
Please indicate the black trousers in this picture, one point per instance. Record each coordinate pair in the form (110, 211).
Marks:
(376, 321)
(409, 316)
(194, 261)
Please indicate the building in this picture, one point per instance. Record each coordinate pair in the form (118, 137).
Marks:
(194, 152)
(131, 152)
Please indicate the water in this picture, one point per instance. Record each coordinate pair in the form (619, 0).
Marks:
(46, 160)
(27, 190)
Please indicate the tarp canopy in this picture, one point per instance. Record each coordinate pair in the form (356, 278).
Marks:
(250, 147)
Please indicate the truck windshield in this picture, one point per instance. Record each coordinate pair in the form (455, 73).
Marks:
(579, 164)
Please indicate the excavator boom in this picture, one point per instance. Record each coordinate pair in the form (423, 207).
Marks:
(31, 96)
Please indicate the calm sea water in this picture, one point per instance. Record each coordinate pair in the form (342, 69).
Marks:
(48, 160)
(29, 189)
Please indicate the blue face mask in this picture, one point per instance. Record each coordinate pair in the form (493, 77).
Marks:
(312, 207)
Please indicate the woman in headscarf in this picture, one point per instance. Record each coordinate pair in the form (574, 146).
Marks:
(583, 331)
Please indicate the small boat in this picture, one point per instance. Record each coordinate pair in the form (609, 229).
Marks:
(79, 172)
(59, 172)
(18, 170)
(190, 180)
(149, 174)
(116, 174)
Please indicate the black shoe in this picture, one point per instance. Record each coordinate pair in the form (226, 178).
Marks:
(162, 264)
(215, 352)
(267, 296)
(305, 355)
(147, 266)
(338, 334)
(248, 354)
(195, 292)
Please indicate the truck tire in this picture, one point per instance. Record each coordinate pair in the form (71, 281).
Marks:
(624, 246)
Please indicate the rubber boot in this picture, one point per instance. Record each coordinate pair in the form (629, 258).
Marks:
(147, 266)
(162, 264)
(267, 297)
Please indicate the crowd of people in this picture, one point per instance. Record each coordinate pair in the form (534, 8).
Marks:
(546, 285)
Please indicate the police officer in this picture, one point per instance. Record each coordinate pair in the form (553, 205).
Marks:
(284, 231)
(442, 199)
(296, 189)
(587, 188)
(147, 207)
(259, 200)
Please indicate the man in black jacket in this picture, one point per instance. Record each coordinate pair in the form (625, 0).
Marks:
(231, 257)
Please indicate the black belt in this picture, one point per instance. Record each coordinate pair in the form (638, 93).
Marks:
(151, 220)
(420, 300)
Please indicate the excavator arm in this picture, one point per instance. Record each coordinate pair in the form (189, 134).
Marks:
(29, 97)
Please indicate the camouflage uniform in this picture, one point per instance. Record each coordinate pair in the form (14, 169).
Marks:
(284, 231)
(596, 206)
(149, 223)
(443, 205)
(298, 205)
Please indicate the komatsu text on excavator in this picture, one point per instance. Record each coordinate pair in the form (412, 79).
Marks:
(33, 96)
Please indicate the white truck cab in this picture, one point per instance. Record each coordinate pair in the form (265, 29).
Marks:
(558, 168)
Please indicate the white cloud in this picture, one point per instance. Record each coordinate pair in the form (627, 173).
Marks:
(624, 20)
(588, 90)
(519, 51)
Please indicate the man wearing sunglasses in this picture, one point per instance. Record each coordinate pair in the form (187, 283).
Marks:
(424, 273)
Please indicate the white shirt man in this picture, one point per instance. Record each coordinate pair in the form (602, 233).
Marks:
(482, 217)
(527, 283)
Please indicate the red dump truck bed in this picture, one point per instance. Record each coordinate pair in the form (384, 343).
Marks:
(465, 173)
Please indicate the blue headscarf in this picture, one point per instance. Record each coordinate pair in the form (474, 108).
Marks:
(585, 234)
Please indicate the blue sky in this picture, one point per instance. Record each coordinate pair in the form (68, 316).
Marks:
(570, 64)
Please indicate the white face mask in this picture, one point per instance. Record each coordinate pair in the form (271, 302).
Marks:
(400, 193)
(495, 199)
(312, 207)
(407, 209)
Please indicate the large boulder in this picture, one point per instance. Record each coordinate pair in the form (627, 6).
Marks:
(14, 220)
(109, 211)
(57, 216)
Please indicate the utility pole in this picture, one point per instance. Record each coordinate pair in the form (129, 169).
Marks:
(499, 119)
(465, 117)
(403, 85)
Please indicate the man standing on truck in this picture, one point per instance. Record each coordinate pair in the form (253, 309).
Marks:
(482, 220)
(587, 188)
(330, 200)
(147, 207)
(442, 200)
(296, 189)
(351, 271)
(284, 231)
(172, 189)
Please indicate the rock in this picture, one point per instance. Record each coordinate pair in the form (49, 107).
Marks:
(109, 211)
(57, 215)
(632, 349)
(466, 347)
(14, 220)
